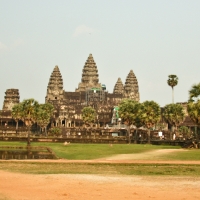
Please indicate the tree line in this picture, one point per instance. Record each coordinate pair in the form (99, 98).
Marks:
(146, 114)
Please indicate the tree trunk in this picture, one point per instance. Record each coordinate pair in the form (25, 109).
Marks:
(172, 94)
(148, 133)
(45, 128)
(16, 126)
(129, 134)
(28, 138)
(135, 136)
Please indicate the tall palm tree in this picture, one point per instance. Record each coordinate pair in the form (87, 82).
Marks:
(194, 92)
(174, 115)
(17, 114)
(193, 109)
(151, 115)
(172, 81)
(130, 113)
(44, 114)
(29, 114)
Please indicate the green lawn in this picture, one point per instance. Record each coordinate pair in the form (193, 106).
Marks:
(91, 151)
(100, 168)
(95, 151)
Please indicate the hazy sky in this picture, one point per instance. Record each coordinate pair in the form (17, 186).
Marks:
(154, 38)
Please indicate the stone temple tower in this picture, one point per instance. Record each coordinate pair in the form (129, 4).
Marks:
(11, 98)
(55, 86)
(131, 89)
(90, 77)
(119, 87)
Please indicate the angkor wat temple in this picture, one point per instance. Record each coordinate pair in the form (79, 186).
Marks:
(90, 92)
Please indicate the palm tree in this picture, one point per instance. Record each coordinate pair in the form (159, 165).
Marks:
(17, 114)
(151, 115)
(174, 115)
(29, 114)
(193, 109)
(130, 113)
(89, 115)
(172, 81)
(44, 114)
(194, 92)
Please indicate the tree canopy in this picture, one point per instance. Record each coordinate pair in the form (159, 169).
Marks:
(193, 109)
(172, 82)
(151, 115)
(130, 112)
(173, 114)
(89, 115)
(194, 92)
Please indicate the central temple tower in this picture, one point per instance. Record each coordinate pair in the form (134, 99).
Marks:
(90, 77)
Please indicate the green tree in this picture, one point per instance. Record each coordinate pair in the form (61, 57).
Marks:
(185, 131)
(44, 114)
(193, 109)
(89, 115)
(29, 114)
(55, 131)
(130, 112)
(194, 92)
(17, 114)
(172, 82)
(151, 114)
(174, 115)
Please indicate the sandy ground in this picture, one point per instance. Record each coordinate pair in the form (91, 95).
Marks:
(15, 186)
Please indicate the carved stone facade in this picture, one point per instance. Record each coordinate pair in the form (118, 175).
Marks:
(68, 105)
(11, 98)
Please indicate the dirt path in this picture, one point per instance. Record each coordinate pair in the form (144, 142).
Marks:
(15, 186)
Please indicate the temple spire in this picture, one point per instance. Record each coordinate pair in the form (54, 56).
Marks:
(55, 86)
(119, 87)
(131, 87)
(90, 76)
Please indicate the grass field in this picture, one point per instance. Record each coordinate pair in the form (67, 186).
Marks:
(95, 151)
(100, 168)
(91, 151)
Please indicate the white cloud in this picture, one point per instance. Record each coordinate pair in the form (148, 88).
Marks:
(17, 42)
(83, 29)
(3, 47)
(12, 46)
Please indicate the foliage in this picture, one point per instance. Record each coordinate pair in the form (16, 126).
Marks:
(44, 114)
(172, 81)
(194, 92)
(185, 131)
(55, 131)
(89, 115)
(29, 108)
(193, 109)
(173, 114)
(130, 112)
(17, 113)
(151, 114)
